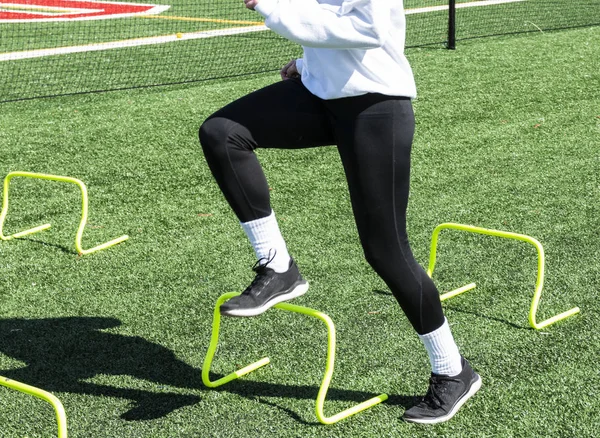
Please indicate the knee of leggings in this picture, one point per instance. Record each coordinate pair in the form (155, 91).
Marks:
(219, 136)
(213, 135)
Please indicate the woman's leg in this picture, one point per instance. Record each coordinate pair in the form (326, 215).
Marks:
(374, 136)
(283, 115)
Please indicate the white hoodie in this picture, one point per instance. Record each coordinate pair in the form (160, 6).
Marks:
(351, 47)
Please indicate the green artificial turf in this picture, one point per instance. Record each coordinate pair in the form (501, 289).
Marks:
(508, 137)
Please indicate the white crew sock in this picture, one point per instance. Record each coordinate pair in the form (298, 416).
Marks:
(267, 241)
(442, 350)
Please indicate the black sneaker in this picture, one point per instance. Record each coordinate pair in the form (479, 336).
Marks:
(445, 396)
(267, 289)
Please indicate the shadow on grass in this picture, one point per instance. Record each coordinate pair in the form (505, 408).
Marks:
(259, 390)
(66, 354)
(458, 309)
(52, 245)
(60, 354)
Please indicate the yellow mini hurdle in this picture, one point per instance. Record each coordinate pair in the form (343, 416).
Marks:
(507, 235)
(61, 417)
(84, 212)
(214, 339)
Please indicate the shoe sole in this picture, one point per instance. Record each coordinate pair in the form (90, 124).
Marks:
(472, 390)
(255, 311)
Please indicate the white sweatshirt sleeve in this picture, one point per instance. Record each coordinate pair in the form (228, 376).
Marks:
(356, 24)
(299, 65)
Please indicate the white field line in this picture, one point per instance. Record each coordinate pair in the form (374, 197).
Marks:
(11, 56)
(42, 10)
(128, 43)
(459, 5)
(156, 9)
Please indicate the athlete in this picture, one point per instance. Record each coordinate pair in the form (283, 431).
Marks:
(352, 88)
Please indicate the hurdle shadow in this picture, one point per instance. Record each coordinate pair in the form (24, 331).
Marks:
(259, 391)
(458, 309)
(62, 248)
(62, 354)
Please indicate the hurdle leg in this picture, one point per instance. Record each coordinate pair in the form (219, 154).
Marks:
(212, 348)
(507, 235)
(61, 417)
(82, 222)
(330, 362)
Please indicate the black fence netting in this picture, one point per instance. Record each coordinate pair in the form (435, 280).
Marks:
(56, 47)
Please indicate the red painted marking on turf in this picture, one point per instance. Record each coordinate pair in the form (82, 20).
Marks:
(95, 9)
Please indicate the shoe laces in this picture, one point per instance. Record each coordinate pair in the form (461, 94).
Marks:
(438, 386)
(260, 267)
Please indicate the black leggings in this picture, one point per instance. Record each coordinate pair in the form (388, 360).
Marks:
(373, 134)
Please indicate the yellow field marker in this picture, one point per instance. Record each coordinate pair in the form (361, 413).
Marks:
(61, 417)
(84, 212)
(507, 235)
(214, 340)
